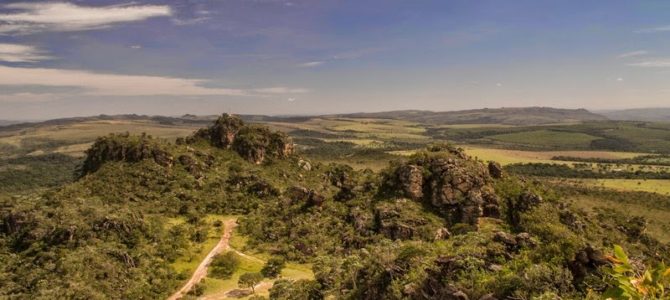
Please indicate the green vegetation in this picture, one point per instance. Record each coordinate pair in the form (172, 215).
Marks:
(435, 223)
(250, 280)
(224, 265)
(631, 283)
(273, 267)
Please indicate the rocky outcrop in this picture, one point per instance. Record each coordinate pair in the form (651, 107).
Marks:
(586, 260)
(253, 142)
(458, 188)
(411, 181)
(123, 147)
(307, 197)
(525, 202)
(222, 133)
(191, 165)
(495, 170)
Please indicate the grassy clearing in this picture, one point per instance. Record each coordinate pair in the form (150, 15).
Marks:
(634, 185)
(546, 138)
(659, 220)
(251, 261)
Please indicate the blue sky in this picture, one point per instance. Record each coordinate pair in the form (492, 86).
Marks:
(311, 57)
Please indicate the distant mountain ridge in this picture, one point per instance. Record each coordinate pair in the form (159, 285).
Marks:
(507, 116)
(658, 114)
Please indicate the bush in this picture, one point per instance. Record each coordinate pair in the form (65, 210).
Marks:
(273, 267)
(224, 265)
(250, 280)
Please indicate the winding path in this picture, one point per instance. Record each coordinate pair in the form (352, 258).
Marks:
(201, 271)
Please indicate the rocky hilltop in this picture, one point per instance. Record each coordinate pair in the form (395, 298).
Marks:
(435, 225)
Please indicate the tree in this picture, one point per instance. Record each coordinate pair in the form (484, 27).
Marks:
(250, 280)
(224, 265)
(273, 267)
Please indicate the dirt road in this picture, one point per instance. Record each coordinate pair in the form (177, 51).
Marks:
(201, 271)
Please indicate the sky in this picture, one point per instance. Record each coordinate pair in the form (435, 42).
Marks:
(297, 57)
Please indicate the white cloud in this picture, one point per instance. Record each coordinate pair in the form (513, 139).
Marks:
(662, 63)
(633, 53)
(136, 47)
(21, 53)
(282, 90)
(654, 29)
(56, 16)
(98, 84)
(291, 99)
(311, 64)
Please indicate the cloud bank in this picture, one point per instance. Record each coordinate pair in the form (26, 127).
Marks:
(14, 53)
(54, 16)
(99, 84)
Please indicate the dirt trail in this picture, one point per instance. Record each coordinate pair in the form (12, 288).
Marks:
(201, 271)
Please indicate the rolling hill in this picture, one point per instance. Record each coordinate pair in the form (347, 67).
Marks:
(507, 116)
(639, 114)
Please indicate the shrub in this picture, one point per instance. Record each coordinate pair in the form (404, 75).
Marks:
(224, 265)
(250, 280)
(273, 267)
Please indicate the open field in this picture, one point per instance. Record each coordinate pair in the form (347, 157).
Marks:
(547, 138)
(73, 139)
(635, 185)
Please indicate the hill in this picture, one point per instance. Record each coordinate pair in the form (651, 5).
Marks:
(435, 225)
(506, 116)
(639, 114)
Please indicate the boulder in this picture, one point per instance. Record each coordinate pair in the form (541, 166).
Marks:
(495, 170)
(411, 181)
(586, 260)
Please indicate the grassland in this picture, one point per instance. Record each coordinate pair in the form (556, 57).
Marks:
(658, 219)
(74, 139)
(547, 139)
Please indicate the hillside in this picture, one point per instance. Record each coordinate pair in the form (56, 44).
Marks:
(434, 225)
(639, 114)
(507, 116)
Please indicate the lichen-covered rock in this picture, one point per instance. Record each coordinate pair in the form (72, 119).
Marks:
(523, 203)
(411, 181)
(458, 187)
(307, 197)
(253, 142)
(191, 165)
(222, 133)
(586, 260)
(495, 170)
(442, 234)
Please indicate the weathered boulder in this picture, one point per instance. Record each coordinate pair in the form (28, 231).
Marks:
(456, 186)
(495, 170)
(307, 197)
(191, 165)
(411, 181)
(525, 202)
(442, 234)
(586, 260)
